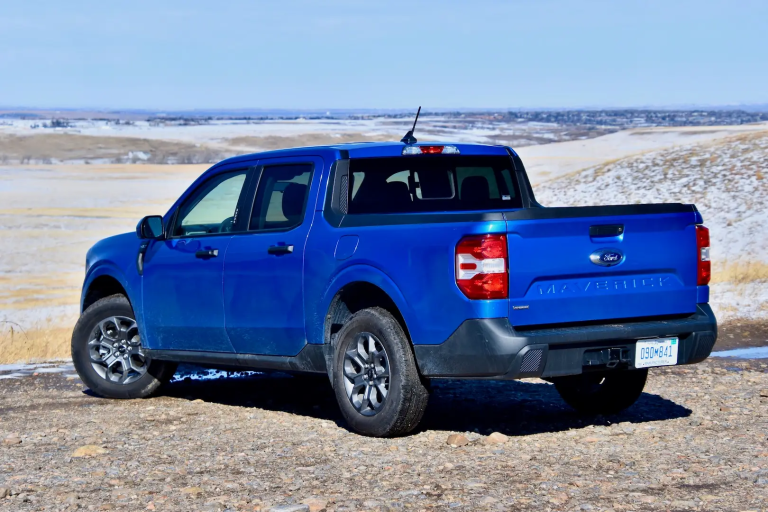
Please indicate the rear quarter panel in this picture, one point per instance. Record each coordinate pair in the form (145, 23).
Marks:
(413, 263)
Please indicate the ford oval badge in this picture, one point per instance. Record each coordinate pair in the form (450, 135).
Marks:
(606, 257)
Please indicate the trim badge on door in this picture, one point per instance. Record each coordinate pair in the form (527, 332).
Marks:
(606, 257)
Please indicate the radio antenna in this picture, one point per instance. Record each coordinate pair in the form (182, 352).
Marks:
(409, 138)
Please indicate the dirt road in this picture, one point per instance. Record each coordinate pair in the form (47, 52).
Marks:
(695, 440)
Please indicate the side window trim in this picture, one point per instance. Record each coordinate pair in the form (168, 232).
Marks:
(257, 181)
(238, 209)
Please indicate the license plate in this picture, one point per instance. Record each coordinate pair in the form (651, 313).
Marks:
(660, 352)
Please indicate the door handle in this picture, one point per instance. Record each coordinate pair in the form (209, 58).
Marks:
(280, 249)
(207, 253)
(606, 231)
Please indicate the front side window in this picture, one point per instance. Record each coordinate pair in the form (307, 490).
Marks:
(432, 184)
(281, 197)
(211, 208)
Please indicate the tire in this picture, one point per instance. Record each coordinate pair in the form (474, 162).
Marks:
(88, 341)
(602, 393)
(401, 409)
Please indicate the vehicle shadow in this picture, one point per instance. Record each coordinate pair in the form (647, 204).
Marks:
(515, 408)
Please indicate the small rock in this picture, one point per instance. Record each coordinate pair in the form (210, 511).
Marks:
(69, 498)
(4, 492)
(151, 505)
(496, 438)
(764, 393)
(89, 450)
(290, 508)
(315, 504)
(457, 440)
(726, 409)
(592, 439)
(12, 440)
(192, 490)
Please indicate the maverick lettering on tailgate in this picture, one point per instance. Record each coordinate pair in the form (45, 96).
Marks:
(604, 284)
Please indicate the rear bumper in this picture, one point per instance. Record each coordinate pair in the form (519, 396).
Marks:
(492, 349)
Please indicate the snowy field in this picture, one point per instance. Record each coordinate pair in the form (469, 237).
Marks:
(191, 141)
(50, 214)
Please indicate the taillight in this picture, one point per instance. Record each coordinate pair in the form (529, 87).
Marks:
(481, 267)
(704, 272)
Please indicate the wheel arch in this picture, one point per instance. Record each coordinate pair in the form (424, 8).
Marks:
(100, 286)
(361, 288)
(356, 296)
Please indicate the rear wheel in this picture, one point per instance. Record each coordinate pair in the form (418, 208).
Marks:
(376, 381)
(107, 352)
(602, 393)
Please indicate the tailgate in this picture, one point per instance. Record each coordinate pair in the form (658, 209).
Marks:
(601, 263)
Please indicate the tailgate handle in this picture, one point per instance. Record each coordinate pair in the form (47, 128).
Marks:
(606, 231)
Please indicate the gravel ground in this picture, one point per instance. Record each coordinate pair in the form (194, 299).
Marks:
(696, 440)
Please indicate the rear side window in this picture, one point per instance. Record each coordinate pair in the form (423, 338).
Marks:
(432, 184)
(281, 197)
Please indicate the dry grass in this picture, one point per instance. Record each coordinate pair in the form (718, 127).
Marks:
(304, 139)
(42, 343)
(740, 272)
(26, 291)
(47, 147)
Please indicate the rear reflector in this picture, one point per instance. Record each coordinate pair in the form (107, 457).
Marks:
(430, 150)
(481, 267)
(704, 266)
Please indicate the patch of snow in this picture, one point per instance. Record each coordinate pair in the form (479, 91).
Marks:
(744, 353)
(194, 372)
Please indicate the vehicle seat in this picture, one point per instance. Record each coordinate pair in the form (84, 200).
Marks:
(474, 189)
(293, 202)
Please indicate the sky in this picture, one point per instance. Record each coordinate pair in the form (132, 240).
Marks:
(343, 54)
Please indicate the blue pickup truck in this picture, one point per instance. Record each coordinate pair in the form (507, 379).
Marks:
(386, 265)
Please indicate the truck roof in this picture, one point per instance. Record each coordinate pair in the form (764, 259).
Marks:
(367, 150)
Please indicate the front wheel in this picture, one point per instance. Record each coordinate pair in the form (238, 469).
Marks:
(375, 378)
(108, 355)
(602, 393)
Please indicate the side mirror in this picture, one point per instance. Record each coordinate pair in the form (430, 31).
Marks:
(151, 228)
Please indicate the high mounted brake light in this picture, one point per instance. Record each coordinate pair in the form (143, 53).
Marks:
(704, 266)
(481, 267)
(430, 150)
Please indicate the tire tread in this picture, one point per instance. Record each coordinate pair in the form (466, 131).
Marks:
(414, 395)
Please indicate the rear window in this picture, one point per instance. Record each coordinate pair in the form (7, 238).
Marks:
(432, 184)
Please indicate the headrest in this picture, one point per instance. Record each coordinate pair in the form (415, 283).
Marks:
(293, 200)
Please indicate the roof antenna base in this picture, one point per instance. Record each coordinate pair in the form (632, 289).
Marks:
(409, 138)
